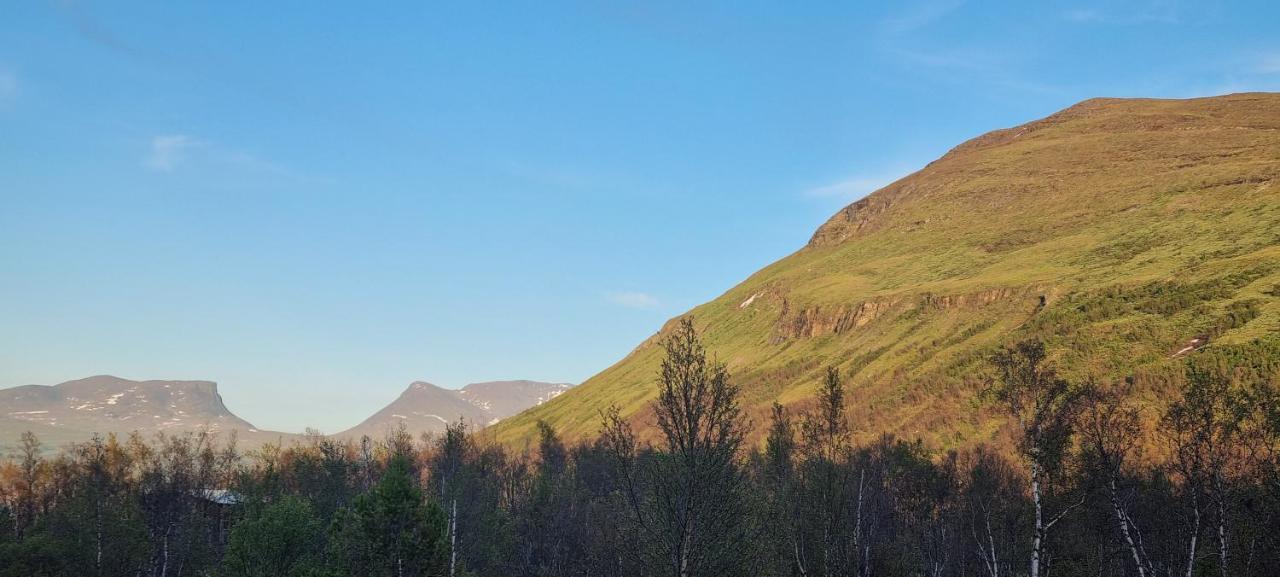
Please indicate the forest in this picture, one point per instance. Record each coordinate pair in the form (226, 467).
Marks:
(1091, 483)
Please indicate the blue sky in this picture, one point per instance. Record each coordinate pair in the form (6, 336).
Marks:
(315, 205)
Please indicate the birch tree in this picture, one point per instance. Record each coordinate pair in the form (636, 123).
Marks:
(1204, 427)
(1111, 431)
(688, 497)
(832, 503)
(1044, 406)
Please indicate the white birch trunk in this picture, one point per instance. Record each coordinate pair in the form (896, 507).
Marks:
(1038, 538)
(1195, 534)
(453, 537)
(1123, 520)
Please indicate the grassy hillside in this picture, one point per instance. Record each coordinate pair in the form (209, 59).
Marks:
(1119, 230)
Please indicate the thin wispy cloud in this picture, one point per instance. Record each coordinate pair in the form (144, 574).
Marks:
(169, 151)
(908, 38)
(1268, 64)
(8, 85)
(918, 16)
(857, 186)
(552, 176)
(90, 27)
(993, 67)
(634, 300)
(1152, 12)
(961, 59)
(1246, 71)
(1083, 15)
(254, 164)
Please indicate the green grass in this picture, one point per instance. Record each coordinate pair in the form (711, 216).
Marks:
(1141, 223)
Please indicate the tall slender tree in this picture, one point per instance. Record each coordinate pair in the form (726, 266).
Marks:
(1111, 431)
(693, 504)
(1044, 406)
(833, 500)
(1205, 427)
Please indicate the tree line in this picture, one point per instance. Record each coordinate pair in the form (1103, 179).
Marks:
(1088, 487)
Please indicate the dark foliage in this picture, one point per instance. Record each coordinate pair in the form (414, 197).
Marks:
(1091, 490)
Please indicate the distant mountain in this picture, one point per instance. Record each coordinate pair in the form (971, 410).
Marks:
(103, 404)
(427, 408)
(75, 410)
(502, 399)
(1126, 233)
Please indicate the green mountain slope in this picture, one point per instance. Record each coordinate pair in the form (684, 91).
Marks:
(1125, 232)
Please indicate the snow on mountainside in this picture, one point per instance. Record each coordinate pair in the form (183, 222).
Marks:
(427, 408)
(103, 404)
(75, 410)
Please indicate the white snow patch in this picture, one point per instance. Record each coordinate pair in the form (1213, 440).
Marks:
(550, 395)
(748, 302)
(1193, 345)
(28, 412)
(400, 416)
(114, 398)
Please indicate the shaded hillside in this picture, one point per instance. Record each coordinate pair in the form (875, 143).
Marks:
(1123, 231)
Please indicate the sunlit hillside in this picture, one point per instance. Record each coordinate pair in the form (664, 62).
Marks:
(1127, 232)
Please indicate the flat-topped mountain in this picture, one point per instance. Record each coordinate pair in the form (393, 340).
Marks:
(105, 404)
(1126, 233)
(427, 408)
(75, 410)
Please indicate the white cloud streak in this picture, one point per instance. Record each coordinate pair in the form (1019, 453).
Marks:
(1152, 12)
(169, 151)
(855, 187)
(905, 36)
(919, 16)
(634, 300)
(8, 85)
(1268, 64)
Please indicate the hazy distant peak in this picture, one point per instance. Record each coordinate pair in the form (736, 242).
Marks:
(425, 407)
(106, 403)
(423, 386)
